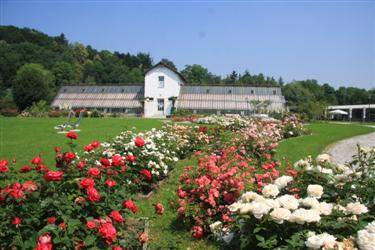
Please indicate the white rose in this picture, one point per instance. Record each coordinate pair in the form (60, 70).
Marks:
(371, 227)
(323, 158)
(280, 214)
(283, 181)
(324, 208)
(321, 240)
(365, 240)
(288, 201)
(251, 196)
(309, 202)
(270, 190)
(301, 216)
(315, 191)
(216, 227)
(259, 209)
(356, 208)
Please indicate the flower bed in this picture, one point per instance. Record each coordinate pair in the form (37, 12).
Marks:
(88, 200)
(323, 207)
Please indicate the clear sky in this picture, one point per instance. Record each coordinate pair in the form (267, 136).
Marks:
(331, 41)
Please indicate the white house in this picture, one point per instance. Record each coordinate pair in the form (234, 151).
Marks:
(162, 87)
(165, 89)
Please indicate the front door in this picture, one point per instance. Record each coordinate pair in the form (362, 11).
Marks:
(161, 106)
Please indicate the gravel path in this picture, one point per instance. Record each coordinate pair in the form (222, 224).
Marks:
(343, 151)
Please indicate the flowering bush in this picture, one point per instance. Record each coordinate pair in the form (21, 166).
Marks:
(80, 205)
(316, 209)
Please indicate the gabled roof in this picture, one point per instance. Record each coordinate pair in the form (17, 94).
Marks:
(168, 67)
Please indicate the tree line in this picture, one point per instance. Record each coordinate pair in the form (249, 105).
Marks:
(33, 66)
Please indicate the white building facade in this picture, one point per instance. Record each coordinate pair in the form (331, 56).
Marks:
(162, 87)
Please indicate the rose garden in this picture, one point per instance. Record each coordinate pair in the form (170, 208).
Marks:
(230, 190)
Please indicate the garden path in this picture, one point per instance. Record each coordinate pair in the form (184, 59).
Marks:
(343, 151)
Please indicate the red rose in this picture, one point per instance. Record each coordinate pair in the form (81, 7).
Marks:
(159, 209)
(181, 193)
(139, 142)
(130, 158)
(29, 186)
(93, 194)
(44, 242)
(88, 148)
(105, 162)
(57, 149)
(87, 182)
(69, 156)
(62, 225)
(54, 175)
(95, 172)
(81, 164)
(110, 183)
(36, 160)
(25, 169)
(146, 174)
(51, 220)
(90, 224)
(129, 204)
(4, 168)
(117, 248)
(95, 144)
(108, 231)
(116, 216)
(16, 221)
(41, 168)
(197, 232)
(117, 160)
(72, 135)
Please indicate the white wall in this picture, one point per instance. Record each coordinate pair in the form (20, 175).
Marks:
(172, 85)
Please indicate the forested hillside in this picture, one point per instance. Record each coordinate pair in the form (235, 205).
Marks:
(34, 65)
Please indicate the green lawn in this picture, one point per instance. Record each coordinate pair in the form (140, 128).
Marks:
(323, 134)
(24, 138)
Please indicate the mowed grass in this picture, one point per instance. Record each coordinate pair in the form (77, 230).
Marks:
(322, 135)
(24, 138)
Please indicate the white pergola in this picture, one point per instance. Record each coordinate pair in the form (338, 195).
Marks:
(350, 108)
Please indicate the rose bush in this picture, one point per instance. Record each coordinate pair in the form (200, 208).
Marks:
(317, 209)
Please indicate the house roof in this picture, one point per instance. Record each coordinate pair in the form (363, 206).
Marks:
(168, 67)
(99, 97)
(228, 98)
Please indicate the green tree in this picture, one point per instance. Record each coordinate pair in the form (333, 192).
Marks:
(32, 84)
(64, 74)
(80, 53)
(197, 74)
(169, 63)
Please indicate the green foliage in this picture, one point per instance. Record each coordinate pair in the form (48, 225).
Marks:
(39, 109)
(32, 84)
(96, 113)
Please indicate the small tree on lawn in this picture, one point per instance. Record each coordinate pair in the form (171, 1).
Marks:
(32, 84)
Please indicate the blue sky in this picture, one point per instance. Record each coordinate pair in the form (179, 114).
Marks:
(331, 41)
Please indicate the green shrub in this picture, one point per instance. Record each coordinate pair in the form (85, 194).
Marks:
(96, 113)
(39, 109)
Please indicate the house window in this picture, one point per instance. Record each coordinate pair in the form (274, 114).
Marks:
(161, 81)
(160, 104)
